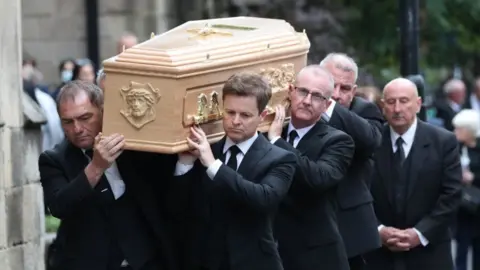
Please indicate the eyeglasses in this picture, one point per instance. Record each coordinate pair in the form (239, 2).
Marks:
(304, 92)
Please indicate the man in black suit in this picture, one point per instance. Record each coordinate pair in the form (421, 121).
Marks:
(362, 120)
(235, 186)
(416, 186)
(109, 218)
(306, 224)
(452, 103)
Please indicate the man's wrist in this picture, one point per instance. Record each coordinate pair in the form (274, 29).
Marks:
(209, 161)
(93, 173)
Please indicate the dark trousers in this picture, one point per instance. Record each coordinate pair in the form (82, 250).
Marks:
(465, 240)
(357, 263)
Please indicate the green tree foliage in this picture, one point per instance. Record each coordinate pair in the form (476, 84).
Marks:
(449, 33)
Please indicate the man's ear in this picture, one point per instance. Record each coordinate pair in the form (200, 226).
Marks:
(263, 114)
(329, 102)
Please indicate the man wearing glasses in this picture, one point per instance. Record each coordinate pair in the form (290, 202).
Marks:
(306, 226)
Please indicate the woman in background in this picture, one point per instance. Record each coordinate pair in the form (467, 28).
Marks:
(467, 127)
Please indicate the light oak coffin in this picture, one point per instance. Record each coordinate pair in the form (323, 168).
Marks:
(156, 90)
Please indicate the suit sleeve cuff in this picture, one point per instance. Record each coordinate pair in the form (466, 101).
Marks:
(181, 169)
(213, 169)
(274, 139)
(422, 238)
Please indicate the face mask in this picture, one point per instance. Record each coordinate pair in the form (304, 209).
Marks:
(66, 75)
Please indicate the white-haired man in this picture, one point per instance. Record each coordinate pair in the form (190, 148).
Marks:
(455, 92)
(362, 120)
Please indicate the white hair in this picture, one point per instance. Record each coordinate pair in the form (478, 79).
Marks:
(341, 61)
(452, 85)
(319, 71)
(100, 76)
(468, 119)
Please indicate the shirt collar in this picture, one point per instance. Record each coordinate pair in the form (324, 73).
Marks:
(243, 146)
(330, 108)
(300, 131)
(407, 137)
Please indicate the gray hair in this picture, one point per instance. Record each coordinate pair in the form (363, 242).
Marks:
(452, 85)
(468, 119)
(100, 76)
(72, 89)
(341, 61)
(319, 71)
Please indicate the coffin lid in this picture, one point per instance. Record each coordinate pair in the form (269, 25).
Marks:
(200, 46)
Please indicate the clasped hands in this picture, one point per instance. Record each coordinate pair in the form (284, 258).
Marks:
(200, 148)
(399, 240)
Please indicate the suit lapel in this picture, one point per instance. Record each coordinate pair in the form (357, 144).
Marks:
(75, 156)
(419, 154)
(383, 162)
(217, 149)
(319, 129)
(256, 152)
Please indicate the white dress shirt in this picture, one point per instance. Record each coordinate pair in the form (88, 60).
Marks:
(182, 167)
(300, 133)
(330, 108)
(114, 179)
(408, 139)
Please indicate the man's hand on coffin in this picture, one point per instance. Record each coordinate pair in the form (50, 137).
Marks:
(107, 150)
(201, 146)
(277, 124)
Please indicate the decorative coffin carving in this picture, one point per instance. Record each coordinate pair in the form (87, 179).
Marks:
(157, 89)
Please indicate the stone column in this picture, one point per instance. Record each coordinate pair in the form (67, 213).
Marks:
(21, 199)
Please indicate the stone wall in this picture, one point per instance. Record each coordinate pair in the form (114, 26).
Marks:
(21, 197)
(56, 29)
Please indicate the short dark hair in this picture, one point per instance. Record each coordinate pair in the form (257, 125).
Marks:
(248, 84)
(72, 88)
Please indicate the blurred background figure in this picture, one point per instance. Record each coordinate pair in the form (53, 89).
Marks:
(101, 79)
(84, 70)
(467, 127)
(447, 107)
(370, 93)
(128, 40)
(52, 132)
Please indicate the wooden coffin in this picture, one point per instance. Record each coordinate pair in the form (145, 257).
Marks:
(157, 89)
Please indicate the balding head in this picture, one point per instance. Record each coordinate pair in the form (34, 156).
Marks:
(318, 74)
(128, 40)
(401, 104)
(309, 98)
(405, 84)
(455, 90)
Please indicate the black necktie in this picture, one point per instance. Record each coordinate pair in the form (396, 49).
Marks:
(232, 161)
(400, 153)
(89, 153)
(292, 136)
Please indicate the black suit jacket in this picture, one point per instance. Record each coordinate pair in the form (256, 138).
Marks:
(306, 226)
(238, 206)
(433, 196)
(446, 113)
(356, 219)
(82, 239)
